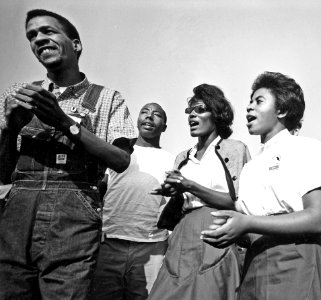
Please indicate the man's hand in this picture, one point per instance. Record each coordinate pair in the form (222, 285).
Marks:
(43, 104)
(227, 227)
(17, 114)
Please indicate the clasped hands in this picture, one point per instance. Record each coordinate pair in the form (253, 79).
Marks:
(228, 226)
(174, 183)
(31, 99)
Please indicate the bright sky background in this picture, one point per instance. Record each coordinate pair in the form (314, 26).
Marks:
(159, 50)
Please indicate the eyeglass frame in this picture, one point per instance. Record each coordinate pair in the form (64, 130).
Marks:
(199, 109)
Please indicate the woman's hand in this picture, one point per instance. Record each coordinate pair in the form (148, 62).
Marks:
(177, 181)
(173, 184)
(227, 227)
(165, 189)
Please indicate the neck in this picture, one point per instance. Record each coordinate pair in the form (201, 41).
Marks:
(266, 137)
(205, 141)
(65, 77)
(143, 142)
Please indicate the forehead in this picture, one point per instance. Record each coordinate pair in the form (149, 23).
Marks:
(195, 102)
(263, 92)
(43, 21)
(153, 107)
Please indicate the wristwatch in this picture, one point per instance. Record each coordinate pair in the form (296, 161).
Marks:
(74, 129)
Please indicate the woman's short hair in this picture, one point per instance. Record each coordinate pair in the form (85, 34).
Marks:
(221, 109)
(288, 96)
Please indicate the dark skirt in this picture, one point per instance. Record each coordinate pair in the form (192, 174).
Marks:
(282, 269)
(194, 270)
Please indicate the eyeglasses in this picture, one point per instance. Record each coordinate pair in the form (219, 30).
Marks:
(199, 109)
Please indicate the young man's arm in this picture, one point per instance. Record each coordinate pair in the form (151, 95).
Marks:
(44, 104)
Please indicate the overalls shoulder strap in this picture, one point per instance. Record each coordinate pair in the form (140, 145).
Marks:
(91, 97)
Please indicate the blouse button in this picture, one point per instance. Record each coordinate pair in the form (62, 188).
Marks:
(226, 159)
(234, 178)
(217, 147)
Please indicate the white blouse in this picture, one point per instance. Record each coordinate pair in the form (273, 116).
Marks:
(275, 181)
(208, 172)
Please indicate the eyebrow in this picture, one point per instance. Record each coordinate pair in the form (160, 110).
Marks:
(43, 27)
(258, 97)
(153, 110)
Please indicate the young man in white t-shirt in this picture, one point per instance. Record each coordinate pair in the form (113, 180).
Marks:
(133, 247)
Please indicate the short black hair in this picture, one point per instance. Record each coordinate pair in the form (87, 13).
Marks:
(221, 109)
(69, 28)
(288, 96)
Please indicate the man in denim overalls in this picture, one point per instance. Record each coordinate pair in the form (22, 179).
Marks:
(50, 225)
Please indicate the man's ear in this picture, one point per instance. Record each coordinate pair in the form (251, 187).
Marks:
(77, 45)
(164, 128)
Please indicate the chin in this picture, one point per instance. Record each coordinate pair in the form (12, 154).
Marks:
(254, 132)
(251, 130)
(52, 64)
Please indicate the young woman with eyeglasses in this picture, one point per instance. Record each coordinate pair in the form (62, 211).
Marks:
(205, 179)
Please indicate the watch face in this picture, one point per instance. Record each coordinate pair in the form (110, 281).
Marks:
(74, 129)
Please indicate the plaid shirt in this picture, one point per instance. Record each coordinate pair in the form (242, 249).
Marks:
(110, 121)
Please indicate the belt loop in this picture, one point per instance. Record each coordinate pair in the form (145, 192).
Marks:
(102, 237)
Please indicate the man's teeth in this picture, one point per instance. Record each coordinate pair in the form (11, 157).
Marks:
(46, 51)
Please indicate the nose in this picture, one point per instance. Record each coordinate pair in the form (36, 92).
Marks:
(40, 38)
(150, 115)
(249, 107)
(191, 116)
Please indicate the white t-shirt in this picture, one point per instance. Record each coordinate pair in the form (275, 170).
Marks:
(275, 181)
(130, 212)
(208, 172)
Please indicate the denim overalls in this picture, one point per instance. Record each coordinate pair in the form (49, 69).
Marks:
(50, 227)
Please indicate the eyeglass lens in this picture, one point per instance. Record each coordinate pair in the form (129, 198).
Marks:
(199, 109)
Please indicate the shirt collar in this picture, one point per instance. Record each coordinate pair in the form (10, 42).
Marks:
(210, 146)
(77, 89)
(280, 136)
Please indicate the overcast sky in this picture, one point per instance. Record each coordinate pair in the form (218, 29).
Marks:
(159, 50)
